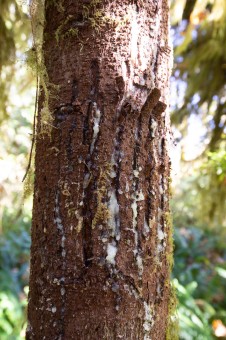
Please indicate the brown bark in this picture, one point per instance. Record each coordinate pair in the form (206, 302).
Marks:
(100, 238)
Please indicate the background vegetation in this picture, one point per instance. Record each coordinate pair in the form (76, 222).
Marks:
(199, 166)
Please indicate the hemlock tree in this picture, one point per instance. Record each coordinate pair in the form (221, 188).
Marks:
(101, 238)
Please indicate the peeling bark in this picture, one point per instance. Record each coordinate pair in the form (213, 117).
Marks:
(100, 239)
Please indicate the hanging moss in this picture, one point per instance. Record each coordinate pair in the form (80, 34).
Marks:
(35, 60)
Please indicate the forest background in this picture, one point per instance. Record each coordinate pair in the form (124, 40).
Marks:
(198, 151)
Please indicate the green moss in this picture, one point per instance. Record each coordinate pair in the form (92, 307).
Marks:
(98, 18)
(70, 32)
(94, 15)
(172, 320)
(58, 5)
(172, 331)
(91, 8)
(102, 212)
(169, 254)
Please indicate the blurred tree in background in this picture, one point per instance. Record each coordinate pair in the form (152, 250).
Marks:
(199, 82)
(200, 62)
(199, 191)
(14, 35)
(199, 203)
(17, 91)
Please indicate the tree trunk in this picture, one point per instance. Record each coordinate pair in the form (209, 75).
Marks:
(100, 255)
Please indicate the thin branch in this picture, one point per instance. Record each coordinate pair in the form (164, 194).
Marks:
(34, 130)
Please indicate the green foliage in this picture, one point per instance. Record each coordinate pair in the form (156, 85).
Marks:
(200, 61)
(14, 148)
(12, 319)
(200, 197)
(212, 187)
(193, 320)
(172, 332)
(216, 165)
(14, 270)
(200, 279)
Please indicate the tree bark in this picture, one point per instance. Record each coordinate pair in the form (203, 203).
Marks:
(100, 234)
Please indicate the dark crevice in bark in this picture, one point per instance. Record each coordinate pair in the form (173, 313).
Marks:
(149, 168)
(69, 148)
(137, 156)
(86, 127)
(147, 145)
(75, 90)
(135, 153)
(87, 237)
(118, 155)
(159, 290)
(88, 191)
(137, 6)
(148, 207)
(158, 110)
(88, 197)
(117, 158)
(136, 183)
(128, 68)
(120, 84)
(156, 7)
(162, 204)
(59, 222)
(162, 171)
(87, 240)
(62, 112)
